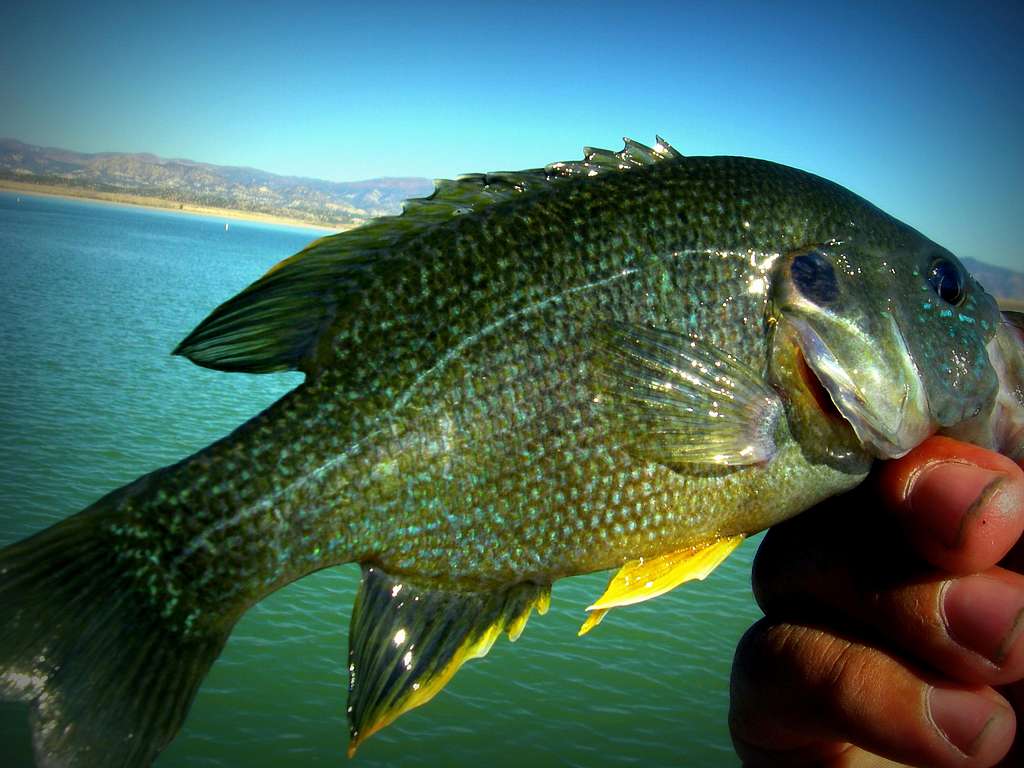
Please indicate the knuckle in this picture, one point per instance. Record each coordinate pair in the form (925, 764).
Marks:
(847, 675)
(913, 611)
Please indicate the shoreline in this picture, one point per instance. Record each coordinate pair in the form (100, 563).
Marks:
(160, 204)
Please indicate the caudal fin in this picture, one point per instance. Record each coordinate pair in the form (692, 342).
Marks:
(108, 685)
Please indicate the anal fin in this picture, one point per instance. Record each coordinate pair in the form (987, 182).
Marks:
(407, 640)
(642, 579)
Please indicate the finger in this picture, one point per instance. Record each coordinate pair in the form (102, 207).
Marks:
(1014, 693)
(962, 507)
(801, 694)
(971, 628)
(1014, 561)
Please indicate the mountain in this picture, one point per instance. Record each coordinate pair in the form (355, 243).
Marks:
(1001, 282)
(333, 203)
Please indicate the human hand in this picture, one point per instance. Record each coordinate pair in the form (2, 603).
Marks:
(894, 622)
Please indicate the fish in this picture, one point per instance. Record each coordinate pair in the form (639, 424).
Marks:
(1001, 427)
(632, 361)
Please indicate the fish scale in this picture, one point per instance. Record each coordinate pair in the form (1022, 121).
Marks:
(527, 376)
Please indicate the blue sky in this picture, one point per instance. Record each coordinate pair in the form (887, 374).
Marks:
(917, 106)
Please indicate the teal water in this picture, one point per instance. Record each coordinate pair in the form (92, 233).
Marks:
(94, 298)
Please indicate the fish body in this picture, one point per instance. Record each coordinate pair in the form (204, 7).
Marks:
(631, 361)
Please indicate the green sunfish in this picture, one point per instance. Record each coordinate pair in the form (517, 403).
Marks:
(631, 361)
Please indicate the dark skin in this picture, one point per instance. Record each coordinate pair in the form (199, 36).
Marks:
(894, 622)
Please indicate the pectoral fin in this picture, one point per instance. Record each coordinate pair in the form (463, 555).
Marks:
(408, 639)
(645, 578)
(676, 399)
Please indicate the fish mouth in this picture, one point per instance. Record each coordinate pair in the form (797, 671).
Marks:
(888, 427)
(816, 389)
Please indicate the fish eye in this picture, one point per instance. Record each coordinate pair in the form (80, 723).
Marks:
(946, 280)
(814, 277)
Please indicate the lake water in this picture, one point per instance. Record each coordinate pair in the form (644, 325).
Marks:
(94, 298)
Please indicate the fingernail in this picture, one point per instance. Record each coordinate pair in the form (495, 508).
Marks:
(963, 718)
(984, 615)
(951, 493)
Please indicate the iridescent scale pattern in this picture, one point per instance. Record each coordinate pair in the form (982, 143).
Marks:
(449, 430)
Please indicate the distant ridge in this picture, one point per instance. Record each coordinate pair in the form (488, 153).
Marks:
(342, 204)
(1003, 283)
(330, 203)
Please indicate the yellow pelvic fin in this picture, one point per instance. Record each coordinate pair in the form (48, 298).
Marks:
(642, 579)
(593, 619)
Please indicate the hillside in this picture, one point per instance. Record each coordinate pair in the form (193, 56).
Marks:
(330, 203)
(145, 178)
(1000, 282)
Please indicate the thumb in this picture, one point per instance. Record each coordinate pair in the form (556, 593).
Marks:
(961, 506)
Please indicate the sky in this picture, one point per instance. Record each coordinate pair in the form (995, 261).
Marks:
(917, 106)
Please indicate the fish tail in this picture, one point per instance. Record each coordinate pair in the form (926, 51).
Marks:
(107, 682)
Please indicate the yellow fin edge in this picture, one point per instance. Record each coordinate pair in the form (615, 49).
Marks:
(473, 650)
(640, 580)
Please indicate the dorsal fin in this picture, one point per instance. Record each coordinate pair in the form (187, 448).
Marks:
(276, 323)
(633, 155)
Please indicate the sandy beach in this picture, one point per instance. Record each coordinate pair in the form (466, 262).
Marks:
(161, 204)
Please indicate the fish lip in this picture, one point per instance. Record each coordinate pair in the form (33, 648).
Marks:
(883, 440)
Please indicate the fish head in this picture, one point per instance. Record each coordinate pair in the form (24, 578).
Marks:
(1001, 427)
(896, 335)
